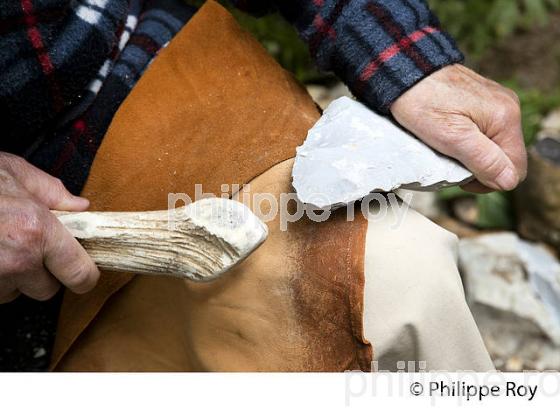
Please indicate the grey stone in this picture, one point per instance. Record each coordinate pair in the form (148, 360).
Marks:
(515, 343)
(466, 210)
(537, 199)
(426, 203)
(550, 126)
(352, 151)
(513, 289)
(323, 96)
(512, 275)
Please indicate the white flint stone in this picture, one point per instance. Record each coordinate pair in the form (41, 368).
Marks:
(352, 151)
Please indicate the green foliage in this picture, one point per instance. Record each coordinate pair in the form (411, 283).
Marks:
(535, 105)
(495, 210)
(281, 41)
(448, 194)
(476, 24)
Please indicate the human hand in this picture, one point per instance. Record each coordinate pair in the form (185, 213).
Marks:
(472, 119)
(37, 253)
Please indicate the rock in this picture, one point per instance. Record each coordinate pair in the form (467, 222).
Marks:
(514, 343)
(513, 288)
(537, 200)
(39, 352)
(550, 126)
(466, 210)
(352, 151)
(461, 229)
(426, 203)
(513, 275)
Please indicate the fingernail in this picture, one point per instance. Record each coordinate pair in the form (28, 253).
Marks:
(82, 199)
(507, 180)
(79, 201)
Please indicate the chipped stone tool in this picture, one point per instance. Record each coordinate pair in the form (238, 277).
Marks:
(200, 241)
(352, 151)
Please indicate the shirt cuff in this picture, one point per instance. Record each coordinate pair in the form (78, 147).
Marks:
(380, 48)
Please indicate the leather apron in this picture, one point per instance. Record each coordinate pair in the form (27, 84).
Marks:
(214, 108)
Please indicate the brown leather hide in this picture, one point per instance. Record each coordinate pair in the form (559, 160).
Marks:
(215, 109)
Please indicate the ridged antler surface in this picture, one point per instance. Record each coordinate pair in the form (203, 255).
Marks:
(199, 241)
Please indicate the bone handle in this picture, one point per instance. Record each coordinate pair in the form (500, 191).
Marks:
(198, 242)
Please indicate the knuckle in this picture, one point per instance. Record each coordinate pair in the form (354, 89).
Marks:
(7, 181)
(45, 293)
(58, 186)
(24, 230)
(81, 279)
(12, 163)
(515, 110)
(493, 169)
(9, 297)
(5, 176)
(6, 157)
(507, 110)
(501, 113)
(490, 166)
(7, 271)
(514, 97)
(32, 225)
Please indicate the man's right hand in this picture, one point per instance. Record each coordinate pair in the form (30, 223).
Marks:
(37, 253)
(472, 119)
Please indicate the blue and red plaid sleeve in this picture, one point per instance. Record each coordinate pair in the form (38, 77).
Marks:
(379, 48)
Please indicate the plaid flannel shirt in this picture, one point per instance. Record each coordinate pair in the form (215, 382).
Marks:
(66, 65)
(379, 48)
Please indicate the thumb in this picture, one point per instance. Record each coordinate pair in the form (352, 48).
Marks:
(44, 187)
(459, 137)
(486, 160)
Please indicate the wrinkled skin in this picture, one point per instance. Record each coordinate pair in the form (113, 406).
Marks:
(37, 254)
(469, 118)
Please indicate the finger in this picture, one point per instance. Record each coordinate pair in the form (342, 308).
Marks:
(38, 284)
(476, 188)
(8, 291)
(510, 140)
(10, 186)
(65, 258)
(46, 188)
(10, 297)
(21, 257)
(486, 159)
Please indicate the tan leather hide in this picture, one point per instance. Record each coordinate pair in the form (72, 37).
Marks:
(215, 109)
